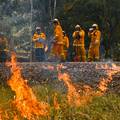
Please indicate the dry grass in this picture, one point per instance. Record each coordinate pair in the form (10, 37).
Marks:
(101, 108)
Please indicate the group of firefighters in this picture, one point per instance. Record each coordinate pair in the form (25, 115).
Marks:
(60, 45)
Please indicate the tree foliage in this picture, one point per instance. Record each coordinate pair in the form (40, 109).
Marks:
(106, 13)
(15, 16)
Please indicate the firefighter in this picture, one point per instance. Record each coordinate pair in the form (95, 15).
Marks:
(95, 36)
(3, 48)
(39, 41)
(78, 44)
(65, 45)
(57, 49)
(90, 32)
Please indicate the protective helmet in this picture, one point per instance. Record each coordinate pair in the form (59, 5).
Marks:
(95, 26)
(64, 32)
(55, 20)
(77, 26)
(91, 29)
(38, 28)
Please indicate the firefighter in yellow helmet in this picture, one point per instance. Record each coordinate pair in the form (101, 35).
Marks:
(39, 41)
(90, 32)
(57, 49)
(65, 45)
(78, 44)
(95, 36)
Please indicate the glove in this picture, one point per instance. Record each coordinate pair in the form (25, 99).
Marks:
(41, 40)
(77, 35)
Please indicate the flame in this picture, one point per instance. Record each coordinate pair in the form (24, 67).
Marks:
(6, 115)
(55, 102)
(110, 71)
(103, 85)
(15, 117)
(73, 96)
(81, 97)
(25, 100)
(1, 114)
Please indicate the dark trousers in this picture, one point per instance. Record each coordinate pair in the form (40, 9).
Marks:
(39, 54)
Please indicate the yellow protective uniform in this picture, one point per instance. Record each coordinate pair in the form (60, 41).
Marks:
(79, 45)
(65, 46)
(94, 49)
(37, 36)
(57, 49)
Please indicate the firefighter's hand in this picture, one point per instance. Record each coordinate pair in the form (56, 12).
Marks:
(35, 40)
(77, 32)
(46, 48)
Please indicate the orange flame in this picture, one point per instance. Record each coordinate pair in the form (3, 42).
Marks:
(75, 97)
(15, 117)
(72, 96)
(103, 85)
(25, 100)
(55, 102)
(1, 114)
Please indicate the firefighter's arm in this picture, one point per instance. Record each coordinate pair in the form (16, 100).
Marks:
(98, 36)
(82, 34)
(45, 45)
(34, 38)
(89, 34)
(46, 48)
(43, 36)
(68, 44)
(57, 33)
(75, 34)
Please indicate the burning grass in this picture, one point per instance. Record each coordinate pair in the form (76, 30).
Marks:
(105, 107)
(41, 102)
(25, 101)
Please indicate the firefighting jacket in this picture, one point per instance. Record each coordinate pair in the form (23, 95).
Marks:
(58, 34)
(79, 38)
(36, 38)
